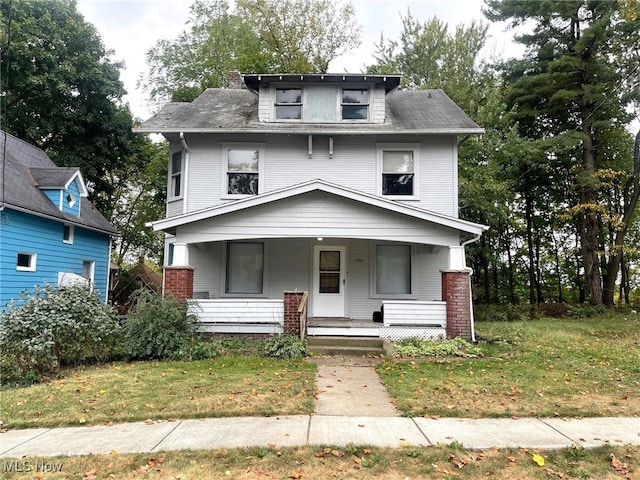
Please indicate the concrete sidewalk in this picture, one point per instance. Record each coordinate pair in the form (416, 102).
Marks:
(303, 430)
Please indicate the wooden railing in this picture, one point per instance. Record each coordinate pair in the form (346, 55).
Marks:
(302, 310)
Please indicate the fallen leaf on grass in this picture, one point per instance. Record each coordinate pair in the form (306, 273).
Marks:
(619, 466)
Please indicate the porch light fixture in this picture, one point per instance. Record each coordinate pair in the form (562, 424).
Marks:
(320, 239)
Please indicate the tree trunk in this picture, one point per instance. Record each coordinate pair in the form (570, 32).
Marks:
(532, 272)
(589, 234)
(631, 197)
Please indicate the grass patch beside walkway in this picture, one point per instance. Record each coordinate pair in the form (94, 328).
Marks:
(541, 368)
(341, 462)
(125, 392)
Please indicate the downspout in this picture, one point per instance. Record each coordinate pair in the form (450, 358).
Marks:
(185, 183)
(473, 326)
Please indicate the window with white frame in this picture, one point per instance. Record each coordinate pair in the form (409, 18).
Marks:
(26, 262)
(242, 171)
(392, 269)
(175, 175)
(88, 271)
(71, 199)
(288, 103)
(67, 234)
(355, 104)
(245, 268)
(398, 171)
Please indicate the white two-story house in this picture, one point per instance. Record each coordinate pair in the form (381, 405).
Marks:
(331, 198)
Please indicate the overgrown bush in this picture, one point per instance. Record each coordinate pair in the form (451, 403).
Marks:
(53, 327)
(585, 310)
(158, 327)
(501, 313)
(419, 347)
(284, 346)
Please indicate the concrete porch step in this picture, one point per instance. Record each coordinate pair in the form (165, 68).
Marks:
(347, 346)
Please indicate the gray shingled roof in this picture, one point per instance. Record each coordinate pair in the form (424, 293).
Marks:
(53, 178)
(19, 189)
(236, 110)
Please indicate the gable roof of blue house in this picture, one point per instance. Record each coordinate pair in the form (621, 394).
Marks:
(29, 173)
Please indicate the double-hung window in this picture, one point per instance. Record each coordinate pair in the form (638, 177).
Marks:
(355, 104)
(288, 103)
(392, 269)
(398, 171)
(245, 267)
(243, 165)
(175, 175)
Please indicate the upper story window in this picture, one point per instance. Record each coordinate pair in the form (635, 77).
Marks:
(355, 104)
(67, 234)
(398, 171)
(71, 199)
(175, 175)
(288, 103)
(243, 167)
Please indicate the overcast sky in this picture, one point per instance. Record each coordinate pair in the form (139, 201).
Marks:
(132, 27)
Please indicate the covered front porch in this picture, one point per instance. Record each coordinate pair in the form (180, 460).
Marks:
(354, 258)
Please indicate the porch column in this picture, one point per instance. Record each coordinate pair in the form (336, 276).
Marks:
(456, 291)
(291, 315)
(179, 281)
(178, 277)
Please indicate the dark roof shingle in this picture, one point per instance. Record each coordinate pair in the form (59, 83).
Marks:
(26, 169)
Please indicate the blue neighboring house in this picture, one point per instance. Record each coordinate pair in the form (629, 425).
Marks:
(50, 233)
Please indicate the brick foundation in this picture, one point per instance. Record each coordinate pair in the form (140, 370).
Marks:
(456, 292)
(291, 314)
(179, 281)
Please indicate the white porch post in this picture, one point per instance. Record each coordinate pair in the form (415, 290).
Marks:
(180, 255)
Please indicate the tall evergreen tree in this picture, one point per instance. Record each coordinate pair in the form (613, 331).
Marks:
(568, 88)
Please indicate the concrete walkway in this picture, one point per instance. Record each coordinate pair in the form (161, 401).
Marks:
(309, 430)
(350, 385)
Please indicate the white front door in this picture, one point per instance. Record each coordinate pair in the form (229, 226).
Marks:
(329, 281)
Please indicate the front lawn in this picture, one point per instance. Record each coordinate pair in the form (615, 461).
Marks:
(542, 368)
(138, 391)
(447, 462)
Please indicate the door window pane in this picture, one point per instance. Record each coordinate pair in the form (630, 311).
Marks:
(329, 271)
(393, 269)
(244, 267)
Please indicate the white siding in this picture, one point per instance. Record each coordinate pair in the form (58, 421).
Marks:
(317, 214)
(377, 105)
(206, 258)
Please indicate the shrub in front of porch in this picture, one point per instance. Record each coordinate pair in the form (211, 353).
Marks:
(158, 327)
(284, 346)
(420, 347)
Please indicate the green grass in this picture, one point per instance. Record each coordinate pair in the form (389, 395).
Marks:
(547, 367)
(446, 462)
(121, 392)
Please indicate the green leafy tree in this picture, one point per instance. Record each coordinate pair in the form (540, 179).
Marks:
(567, 88)
(62, 91)
(259, 36)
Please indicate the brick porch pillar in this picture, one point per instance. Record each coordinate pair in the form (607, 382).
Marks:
(179, 281)
(456, 291)
(291, 315)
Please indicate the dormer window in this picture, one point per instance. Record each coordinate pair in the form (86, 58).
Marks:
(288, 103)
(71, 200)
(355, 104)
